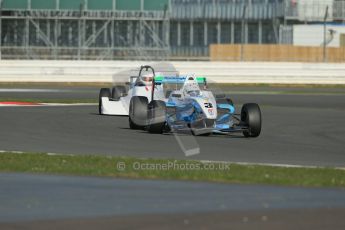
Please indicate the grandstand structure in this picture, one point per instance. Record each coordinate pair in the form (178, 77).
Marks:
(149, 29)
(84, 29)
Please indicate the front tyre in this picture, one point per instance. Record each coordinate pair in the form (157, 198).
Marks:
(251, 117)
(156, 116)
(138, 112)
(104, 92)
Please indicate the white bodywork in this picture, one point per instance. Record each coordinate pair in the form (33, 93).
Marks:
(121, 107)
(114, 107)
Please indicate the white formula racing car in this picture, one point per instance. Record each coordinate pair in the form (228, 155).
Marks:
(117, 100)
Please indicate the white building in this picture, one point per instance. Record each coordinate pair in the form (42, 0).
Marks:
(313, 35)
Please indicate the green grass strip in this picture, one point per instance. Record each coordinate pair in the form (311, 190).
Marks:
(125, 167)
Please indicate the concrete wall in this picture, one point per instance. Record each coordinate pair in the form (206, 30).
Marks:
(222, 72)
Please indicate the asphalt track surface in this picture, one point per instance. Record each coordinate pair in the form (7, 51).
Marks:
(298, 128)
(61, 202)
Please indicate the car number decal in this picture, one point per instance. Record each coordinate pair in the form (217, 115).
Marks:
(208, 105)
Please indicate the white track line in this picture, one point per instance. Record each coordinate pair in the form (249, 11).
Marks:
(270, 164)
(66, 104)
(34, 90)
(48, 104)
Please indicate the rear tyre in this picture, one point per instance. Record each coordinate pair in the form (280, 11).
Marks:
(118, 91)
(104, 92)
(156, 116)
(251, 116)
(138, 112)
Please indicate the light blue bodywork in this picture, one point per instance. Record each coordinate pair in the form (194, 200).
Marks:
(185, 111)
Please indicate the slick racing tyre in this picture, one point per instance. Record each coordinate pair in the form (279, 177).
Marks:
(118, 91)
(105, 92)
(251, 117)
(156, 116)
(138, 112)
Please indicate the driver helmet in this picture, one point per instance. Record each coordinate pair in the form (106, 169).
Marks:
(192, 88)
(147, 79)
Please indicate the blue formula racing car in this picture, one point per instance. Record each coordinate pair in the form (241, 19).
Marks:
(189, 106)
